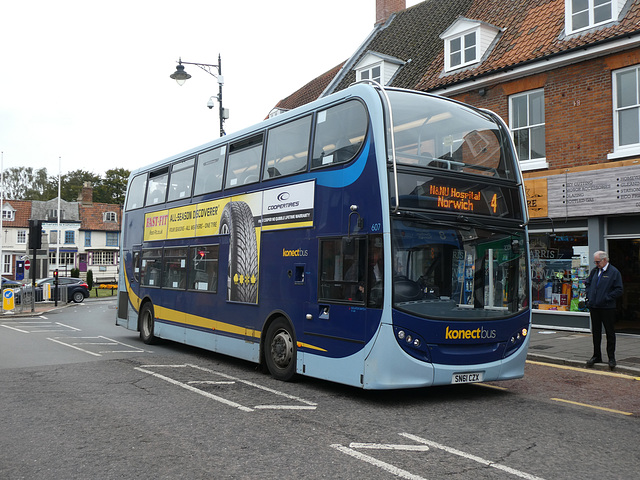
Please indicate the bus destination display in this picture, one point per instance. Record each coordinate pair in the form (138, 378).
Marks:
(454, 196)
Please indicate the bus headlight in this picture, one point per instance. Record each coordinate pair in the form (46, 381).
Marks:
(515, 341)
(412, 344)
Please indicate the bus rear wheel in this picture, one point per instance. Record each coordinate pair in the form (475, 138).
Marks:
(147, 324)
(280, 350)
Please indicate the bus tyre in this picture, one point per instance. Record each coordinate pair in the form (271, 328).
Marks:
(280, 350)
(242, 271)
(147, 324)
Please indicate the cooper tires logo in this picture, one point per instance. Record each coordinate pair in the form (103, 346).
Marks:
(283, 197)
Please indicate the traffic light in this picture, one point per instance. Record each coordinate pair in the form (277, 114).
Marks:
(35, 234)
(55, 276)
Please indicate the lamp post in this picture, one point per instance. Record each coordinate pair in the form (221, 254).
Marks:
(181, 76)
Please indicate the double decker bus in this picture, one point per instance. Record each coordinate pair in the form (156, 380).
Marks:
(376, 237)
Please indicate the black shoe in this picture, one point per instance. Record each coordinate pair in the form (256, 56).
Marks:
(592, 361)
(612, 364)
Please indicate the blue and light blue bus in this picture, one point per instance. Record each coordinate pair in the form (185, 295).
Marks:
(376, 237)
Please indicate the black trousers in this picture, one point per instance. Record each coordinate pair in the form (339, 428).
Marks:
(606, 317)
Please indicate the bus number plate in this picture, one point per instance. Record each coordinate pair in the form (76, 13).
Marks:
(467, 377)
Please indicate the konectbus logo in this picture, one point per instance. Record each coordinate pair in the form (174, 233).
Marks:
(295, 252)
(476, 334)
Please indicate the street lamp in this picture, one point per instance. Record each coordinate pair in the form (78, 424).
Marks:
(181, 76)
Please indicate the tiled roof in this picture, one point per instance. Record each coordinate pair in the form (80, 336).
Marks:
(22, 213)
(532, 30)
(92, 217)
(413, 37)
(310, 92)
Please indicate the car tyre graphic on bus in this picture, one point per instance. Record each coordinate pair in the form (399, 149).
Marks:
(242, 271)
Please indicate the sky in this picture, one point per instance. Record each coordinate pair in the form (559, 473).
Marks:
(85, 85)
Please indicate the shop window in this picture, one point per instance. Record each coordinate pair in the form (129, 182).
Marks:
(559, 268)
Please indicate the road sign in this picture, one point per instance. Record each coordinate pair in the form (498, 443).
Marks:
(27, 264)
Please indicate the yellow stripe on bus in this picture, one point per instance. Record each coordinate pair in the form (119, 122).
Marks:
(202, 322)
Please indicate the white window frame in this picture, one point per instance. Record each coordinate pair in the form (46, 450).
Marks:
(103, 257)
(369, 71)
(21, 237)
(592, 7)
(632, 148)
(463, 49)
(110, 217)
(8, 214)
(6, 264)
(531, 163)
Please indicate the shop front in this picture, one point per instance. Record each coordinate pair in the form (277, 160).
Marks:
(574, 213)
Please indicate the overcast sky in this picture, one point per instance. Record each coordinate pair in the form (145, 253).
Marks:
(88, 82)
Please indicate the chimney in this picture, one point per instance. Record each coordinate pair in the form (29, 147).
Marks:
(86, 195)
(385, 8)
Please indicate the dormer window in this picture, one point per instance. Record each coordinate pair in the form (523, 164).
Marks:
(377, 67)
(8, 213)
(583, 14)
(372, 73)
(110, 217)
(462, 50)
(465, 42)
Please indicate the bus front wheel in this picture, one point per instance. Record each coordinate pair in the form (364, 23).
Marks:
(147, 324)
(280, 350)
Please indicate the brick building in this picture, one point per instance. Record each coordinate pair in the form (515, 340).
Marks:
(87, 236)
(565, 77)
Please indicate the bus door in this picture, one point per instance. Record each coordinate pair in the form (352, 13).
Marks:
(343, 289)
(127, 295)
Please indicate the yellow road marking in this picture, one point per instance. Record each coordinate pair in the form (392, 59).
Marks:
(591, 406)
(584, 370)
(491, 386)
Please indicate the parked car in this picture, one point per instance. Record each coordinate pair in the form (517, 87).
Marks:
(7, 283)
(77, 289)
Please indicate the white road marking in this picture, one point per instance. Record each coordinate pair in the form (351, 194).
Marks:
(229, 380)
(469, 456)
(424, 446)
(107, 341)
(73, 346)
(387, 446)
(398, 472)
(195, 390)
(14, 328)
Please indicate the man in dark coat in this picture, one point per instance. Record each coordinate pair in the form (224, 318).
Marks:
(604, 286)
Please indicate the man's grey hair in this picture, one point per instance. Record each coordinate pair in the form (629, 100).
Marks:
(602, 255)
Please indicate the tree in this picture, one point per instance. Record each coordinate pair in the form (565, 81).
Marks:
(72, 182)
(113, 187)
(23, 183)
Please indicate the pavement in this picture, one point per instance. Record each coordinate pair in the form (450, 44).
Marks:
(547, 345)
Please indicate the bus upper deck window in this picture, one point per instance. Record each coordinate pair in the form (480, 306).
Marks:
(135, 196)
(243, 166)
(340, 133)
(209, 171)
(181, 179)
(288, 148)
(157, 190)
